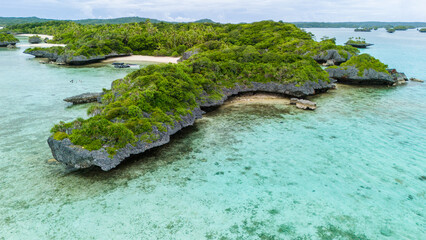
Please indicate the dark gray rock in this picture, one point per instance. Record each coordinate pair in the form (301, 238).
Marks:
(72, 60)
(34, 40)
(84, 98)
(331, 55)
(290, 89)
(359, 45)
(76, 156)
(186, 55)
(7, 43)
(349, 75)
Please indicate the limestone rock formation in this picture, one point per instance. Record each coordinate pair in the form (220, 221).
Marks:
(331, 56)
(84, 98)
(64, 151)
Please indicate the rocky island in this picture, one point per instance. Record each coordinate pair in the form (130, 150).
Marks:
(35, 39)
(7, 40)
(145, 108)
(358, 42)
(365, 69)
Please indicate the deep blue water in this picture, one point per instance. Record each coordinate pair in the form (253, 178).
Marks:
(249, 170)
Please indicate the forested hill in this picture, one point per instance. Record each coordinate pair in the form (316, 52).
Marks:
(4, 21)
(357, 24)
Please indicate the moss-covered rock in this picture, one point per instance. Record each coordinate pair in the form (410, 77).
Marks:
(7, 39)
(362, 69)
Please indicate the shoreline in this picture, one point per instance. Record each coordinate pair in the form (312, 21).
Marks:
(43, 36)
(43, 45)
(141, 58)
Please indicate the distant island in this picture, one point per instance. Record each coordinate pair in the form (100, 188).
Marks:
(142, 110)
(5, 21)
(358, 42)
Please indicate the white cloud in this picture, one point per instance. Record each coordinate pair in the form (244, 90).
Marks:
(226, 10)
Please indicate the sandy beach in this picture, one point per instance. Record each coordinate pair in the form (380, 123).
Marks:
(256, 98)
(43, 36)
(40, 45)
(142, 58)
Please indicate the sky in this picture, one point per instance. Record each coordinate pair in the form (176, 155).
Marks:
(225, 11)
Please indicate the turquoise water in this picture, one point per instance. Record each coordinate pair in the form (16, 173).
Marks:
(350, 170)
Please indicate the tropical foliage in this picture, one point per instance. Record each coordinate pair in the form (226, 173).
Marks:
(364, 62)
(151, 100)
(4, 37)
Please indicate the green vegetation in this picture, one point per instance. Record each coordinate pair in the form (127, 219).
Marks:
(362, 29)
(403, 28)
(357, 40)
(390, 30)
(422, 30)
(4, 37)
(356, 24)
(150, 100)
(364, 62)
(155, 97)
(7, 21)
(166, 39)
(35, 39)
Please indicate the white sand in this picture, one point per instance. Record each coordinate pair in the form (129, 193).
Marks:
(141, 58)
(41, 35)
(41, 45)
(263, 98)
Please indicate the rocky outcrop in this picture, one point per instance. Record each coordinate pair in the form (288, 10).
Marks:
(72, 60)
(349, 75)
(34, 40)
(186, 55)
(76, 156)
(290, 89)
(359, 45)
(7, 43)
(416, 80)
(331, 57)
(303, 104)
(84, 98)
(399, 77)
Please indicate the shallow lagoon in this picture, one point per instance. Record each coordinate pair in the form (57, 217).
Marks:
(349, 170)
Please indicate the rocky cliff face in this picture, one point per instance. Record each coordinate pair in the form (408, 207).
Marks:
(350, 75)
(76, 156)
(331, 55)
(7, 43)
(84, 98)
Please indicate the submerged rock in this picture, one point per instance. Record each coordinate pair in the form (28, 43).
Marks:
(84, 98)
(303, 104)
(78, 157)
(416, 80)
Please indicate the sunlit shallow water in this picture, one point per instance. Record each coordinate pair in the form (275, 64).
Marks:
(349, 170)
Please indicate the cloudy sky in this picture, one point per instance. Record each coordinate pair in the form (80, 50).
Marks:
(233, 11)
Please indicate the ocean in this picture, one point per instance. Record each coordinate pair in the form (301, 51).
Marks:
(352, 169)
